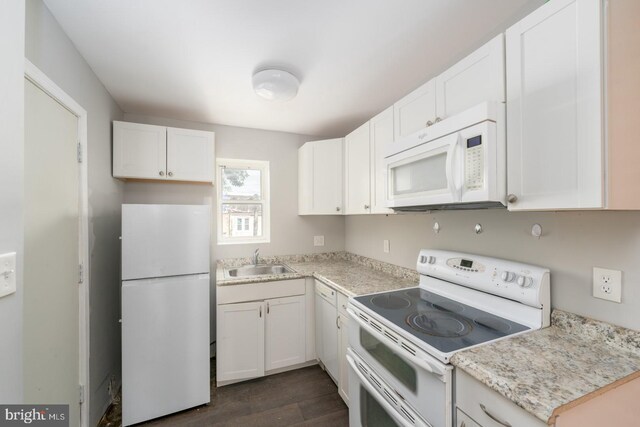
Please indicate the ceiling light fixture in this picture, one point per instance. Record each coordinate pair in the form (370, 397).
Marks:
(275, 85)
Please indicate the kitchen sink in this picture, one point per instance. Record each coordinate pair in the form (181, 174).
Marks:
(258, 270)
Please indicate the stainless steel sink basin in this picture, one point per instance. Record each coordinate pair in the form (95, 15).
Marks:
(258, 270)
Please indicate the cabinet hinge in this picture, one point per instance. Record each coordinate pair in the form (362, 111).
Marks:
(80, 274)
(81, 393)
(79, 152)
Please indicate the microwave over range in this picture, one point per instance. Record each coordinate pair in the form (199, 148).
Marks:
(458, 163)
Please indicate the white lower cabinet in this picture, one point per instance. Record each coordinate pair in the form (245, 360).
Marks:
(332, 335)
(327, 329)
(479, 406)
(343, 344)
(260, 337)
(285, 332)
(240, 346)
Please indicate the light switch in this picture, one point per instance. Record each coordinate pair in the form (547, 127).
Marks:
(318, 240)
(7, 274)
(385, 246)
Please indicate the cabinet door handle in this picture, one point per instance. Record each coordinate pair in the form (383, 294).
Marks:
(338, 209)
(161, 173)
(260, 311)
(338, 322)
(512, 198)
(493, 417)
(170, 174)
(429, 123)
(366, 206)
(438, 119)
(267, 307)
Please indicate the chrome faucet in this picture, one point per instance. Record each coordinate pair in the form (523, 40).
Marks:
(256, 255)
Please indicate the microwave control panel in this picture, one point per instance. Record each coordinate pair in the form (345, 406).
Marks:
(474, 164)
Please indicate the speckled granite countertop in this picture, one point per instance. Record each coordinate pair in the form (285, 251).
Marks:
(348, 273)
(542, 370)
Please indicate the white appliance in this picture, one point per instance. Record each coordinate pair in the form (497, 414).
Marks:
(457, 163)
(400, 342)
(165, 309)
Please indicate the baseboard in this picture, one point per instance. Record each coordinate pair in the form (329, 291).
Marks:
(271, 372)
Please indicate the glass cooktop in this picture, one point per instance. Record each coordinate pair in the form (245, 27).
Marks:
(442, 323)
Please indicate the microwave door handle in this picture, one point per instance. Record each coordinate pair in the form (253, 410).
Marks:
(389, 409)
(454, 189)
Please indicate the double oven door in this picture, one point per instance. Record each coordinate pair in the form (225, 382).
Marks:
(392, 379)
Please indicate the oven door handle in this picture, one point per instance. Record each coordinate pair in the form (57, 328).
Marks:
(420, 362)
(451, 170)
(391, 411)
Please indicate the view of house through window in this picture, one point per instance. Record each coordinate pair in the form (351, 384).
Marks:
(243, 202)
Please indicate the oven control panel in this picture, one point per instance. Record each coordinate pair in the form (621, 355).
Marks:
(525, 283)
(474, 164)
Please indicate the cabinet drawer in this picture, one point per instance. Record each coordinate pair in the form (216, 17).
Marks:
(342, 304)
(325, 292)
(259, 291)
(463, 420)
(486, 407)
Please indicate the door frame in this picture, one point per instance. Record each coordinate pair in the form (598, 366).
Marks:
(37, 77)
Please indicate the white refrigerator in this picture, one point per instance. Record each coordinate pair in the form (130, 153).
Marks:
(165, 309)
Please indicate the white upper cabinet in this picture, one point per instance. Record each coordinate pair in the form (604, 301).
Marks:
(555, 108)
(156, 152)
(190, 155)
(415, 111)
(357, 171)
(320, 183)
(381, 135)
(480, 77)
(139, 151)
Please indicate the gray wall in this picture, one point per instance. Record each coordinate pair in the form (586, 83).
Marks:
(48, 47)
(290, 233)
(572, 244)
(11, 182)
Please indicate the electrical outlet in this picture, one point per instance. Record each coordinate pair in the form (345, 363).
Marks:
(607, 284)
(318, 240)
(385, 246)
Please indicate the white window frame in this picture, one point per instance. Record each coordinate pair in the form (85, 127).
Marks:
(263, 167)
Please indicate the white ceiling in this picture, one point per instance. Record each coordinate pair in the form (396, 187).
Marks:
(193, 60)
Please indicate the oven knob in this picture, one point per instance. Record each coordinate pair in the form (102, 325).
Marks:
(508, 276)
(524, 281)
(431, 259)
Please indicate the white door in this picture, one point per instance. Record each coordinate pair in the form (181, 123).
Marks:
(165, 346)
(381, 136)
(190, 155)
(554, 107)
(240, 341)
(139, 151)
(51, 253)
(165, 240)
(285, 343)
(329, 319)
(357, 172)
(343, 344)
(327, 177)
(480, 77)
(415, 111)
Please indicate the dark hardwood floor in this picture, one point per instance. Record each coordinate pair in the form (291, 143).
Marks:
(304, 397)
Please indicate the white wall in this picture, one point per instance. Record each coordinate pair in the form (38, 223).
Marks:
(48, 47)
(572, 243)
(11, 182)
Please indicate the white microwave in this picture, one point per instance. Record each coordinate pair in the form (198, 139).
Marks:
(459, 163)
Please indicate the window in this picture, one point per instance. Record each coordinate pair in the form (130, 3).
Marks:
(243, 201)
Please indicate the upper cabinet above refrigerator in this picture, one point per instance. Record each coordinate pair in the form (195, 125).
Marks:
(159, 153)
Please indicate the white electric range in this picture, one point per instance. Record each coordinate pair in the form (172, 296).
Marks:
(400, 342)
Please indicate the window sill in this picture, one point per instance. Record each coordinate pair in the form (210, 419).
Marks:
(242, 242)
